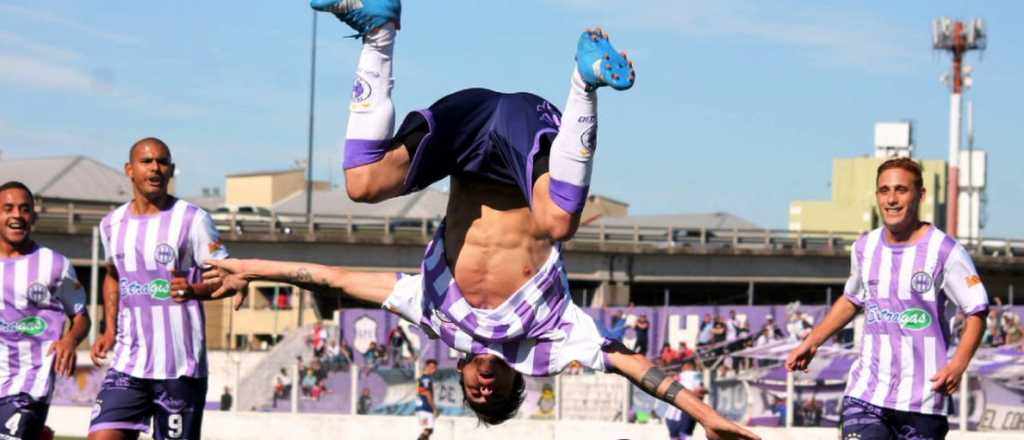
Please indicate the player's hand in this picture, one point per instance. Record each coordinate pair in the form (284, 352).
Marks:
(181, 289)
(801, 356)
(46, 433)
(64, 357)
(947, 380)
(100, 348)
(720, 428)
(227, 266)
(233, 282)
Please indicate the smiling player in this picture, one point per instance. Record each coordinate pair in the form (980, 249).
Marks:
(902, 276)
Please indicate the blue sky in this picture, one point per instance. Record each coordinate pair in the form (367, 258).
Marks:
(739, 106)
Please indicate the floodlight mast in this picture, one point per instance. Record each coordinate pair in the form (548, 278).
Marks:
(957, 38)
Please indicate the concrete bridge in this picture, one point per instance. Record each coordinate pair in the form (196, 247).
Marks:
(607, 265)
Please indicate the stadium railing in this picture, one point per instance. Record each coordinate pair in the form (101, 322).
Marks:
(669, 238)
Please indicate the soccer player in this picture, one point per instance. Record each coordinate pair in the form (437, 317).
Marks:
(426, 409)
(155, 246)
(40, 291)
(680, 424)
(493, 285)
(902, 276)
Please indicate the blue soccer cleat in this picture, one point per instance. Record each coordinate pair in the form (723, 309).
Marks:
(600, 65)
(362, 15)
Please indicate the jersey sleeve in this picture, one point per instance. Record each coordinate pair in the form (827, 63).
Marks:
(962, 284)
(854, 288)
(205, 239)
(105, 240)
(583, 342)
(70, 292)
(406, 298)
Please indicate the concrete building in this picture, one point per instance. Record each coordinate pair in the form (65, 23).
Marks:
(599, 206)
(853, 208)
(269, 311)
(266, 188)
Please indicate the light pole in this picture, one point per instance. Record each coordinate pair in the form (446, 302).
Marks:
(957, 38)
(309, 134)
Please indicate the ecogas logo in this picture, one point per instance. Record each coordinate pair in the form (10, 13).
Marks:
(28, 326)
(156, 289)
(910, 319)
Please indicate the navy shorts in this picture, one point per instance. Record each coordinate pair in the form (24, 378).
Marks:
(683, 426)
(130, 403)
(864, 421)
(483, 134)
(22, 417)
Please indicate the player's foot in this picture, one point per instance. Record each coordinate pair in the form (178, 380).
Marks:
(600, 64)
(362, 15)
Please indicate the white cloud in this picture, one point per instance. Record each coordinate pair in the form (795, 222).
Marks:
(18, 43)
(25, 71)
(46, 17)
(21, 141)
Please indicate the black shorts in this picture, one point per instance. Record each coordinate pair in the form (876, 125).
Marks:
(501, 137)
(129, 403)
(864, 421)
(22, 417)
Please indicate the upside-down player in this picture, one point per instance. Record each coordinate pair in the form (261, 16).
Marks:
(493, 285)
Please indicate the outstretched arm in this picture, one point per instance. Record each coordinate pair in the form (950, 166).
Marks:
(639, 370)
(372, 287)
(842, 313)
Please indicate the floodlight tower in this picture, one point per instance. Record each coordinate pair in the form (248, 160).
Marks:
(956, 37)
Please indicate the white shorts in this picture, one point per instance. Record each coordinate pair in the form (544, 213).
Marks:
(426, 419)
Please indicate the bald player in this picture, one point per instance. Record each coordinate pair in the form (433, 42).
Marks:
(155, 245)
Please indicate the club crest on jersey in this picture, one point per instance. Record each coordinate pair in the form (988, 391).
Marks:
(921, 282)
(165, 253)
(37, 293)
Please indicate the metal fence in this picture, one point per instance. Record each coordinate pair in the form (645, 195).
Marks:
(669, 238)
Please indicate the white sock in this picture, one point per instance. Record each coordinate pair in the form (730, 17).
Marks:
(371, 117)
(572, 150)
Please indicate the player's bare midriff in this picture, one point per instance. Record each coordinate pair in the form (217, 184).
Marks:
(491, 241)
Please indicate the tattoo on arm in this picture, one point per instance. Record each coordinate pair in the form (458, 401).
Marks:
(302, 275)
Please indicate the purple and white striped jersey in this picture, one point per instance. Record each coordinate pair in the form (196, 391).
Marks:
(903, 290)
(39, 289)
(537, 330)
(158, 338)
